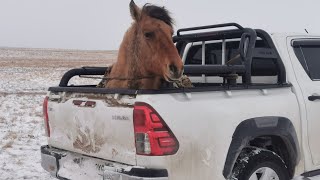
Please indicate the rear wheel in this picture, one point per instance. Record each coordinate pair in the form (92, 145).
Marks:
(259, 164)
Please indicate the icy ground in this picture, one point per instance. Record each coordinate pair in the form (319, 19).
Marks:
(23, 86)
(21, 124)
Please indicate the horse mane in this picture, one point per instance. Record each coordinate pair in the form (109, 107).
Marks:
(157, 12)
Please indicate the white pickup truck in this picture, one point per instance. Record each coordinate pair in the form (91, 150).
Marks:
(253, 114)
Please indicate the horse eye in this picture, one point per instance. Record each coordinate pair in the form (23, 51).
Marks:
(149, 35)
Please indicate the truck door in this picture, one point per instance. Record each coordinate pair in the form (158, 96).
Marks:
(305, 57)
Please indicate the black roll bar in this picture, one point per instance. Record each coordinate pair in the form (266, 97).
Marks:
(209, 27)
(81, 71)
(246, 48)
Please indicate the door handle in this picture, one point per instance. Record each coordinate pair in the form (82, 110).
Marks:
(313, 98)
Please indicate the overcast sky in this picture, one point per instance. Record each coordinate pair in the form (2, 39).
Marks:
(100, 24)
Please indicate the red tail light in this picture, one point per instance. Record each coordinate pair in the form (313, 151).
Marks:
(45, 115)
(152, 135)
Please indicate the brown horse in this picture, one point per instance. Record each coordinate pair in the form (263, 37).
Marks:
(147, 54)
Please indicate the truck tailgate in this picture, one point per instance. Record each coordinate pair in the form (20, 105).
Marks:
(94, 125)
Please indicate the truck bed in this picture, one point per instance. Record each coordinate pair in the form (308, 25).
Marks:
(105, 130)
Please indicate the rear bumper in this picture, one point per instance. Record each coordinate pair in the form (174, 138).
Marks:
(68, 165)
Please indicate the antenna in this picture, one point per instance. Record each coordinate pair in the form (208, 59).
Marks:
(306, 31)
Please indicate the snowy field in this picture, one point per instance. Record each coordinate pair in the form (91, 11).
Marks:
(25, 75)
(23, 85)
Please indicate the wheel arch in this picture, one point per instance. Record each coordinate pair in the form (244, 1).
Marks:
(269, 126)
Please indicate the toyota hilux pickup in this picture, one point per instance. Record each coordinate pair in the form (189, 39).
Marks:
(253, 113)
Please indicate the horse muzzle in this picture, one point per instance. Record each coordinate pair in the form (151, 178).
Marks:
(174, 74)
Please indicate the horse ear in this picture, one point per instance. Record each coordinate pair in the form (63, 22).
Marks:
(135, 11)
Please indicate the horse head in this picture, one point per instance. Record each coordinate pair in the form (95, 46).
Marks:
(147, 54)
(153, 39)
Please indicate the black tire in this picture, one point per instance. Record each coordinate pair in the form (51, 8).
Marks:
(252, 159)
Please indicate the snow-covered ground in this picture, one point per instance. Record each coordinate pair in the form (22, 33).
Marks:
(21, 135)
(23, 85)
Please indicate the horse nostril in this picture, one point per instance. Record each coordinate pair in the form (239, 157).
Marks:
(173, 69)
(175, 72)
